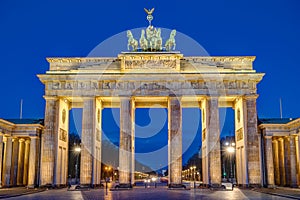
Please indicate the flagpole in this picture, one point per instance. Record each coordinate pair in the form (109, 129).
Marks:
(21, 109)
(280, 104)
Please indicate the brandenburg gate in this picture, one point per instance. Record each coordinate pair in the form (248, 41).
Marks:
(149, 77)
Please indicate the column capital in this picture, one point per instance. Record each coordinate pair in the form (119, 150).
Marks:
(27, 141)
(249, 97)
(212, 97)
(21, 140)
(88, 98)
(268, 136)
(50, 97)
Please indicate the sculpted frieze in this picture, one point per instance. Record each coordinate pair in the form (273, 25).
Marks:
(150, 85)
(150, 64)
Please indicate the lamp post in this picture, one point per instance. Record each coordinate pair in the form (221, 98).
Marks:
(77, 151)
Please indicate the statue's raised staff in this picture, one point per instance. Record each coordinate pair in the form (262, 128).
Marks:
(131, 41)
(171, 41)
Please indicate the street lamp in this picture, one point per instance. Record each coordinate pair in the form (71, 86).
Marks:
(77, 151)
(230, 149)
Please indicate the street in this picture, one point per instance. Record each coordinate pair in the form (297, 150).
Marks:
(147, 194)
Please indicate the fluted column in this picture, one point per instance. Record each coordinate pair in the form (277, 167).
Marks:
(211, 158)
(269, 161)
(21, 162)
(32, 162)
(1, 159)
(125, 150)
(26, 160)
(7, 161)
(287, 161)
(88, 129)
(276, 162)
(252, 142)
(97, 143)
(48, 141)
(281, 161)
(14, 171)
(293, 167)
(175, 140)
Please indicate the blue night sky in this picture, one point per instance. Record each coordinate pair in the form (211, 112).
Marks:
(32, 30)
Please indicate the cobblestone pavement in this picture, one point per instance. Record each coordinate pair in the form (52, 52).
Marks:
(148, 193)
(11, 192)
(283, 192)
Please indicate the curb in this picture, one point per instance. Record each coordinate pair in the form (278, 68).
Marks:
(279, 195)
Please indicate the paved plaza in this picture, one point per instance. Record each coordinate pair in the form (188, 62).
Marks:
(161, 193)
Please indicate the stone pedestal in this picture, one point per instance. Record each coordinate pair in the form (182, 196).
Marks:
(125, 150)
(174, 140)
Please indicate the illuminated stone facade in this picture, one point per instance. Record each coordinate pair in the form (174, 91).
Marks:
(20, 152)
(280, 139)
(142, 80)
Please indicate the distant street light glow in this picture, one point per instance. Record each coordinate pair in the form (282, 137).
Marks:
(230, 149)
(77, 149)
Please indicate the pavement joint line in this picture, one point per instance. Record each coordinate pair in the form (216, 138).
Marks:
(276, 194)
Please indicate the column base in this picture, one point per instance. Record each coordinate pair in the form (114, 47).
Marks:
(123, 186)
(176, 186)
(30, 186)
(271, 186)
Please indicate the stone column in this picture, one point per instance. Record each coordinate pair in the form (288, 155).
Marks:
(276, 162)
(269, 161)
(32, 162)
(96, 142)
(26, 160)
(14, 171)
(252, 142)
(213, 136)
(281, 161)
(293, 167)
(48, 141)
(211, 142)
(175, 140)
(87, 137)
(1, 159)
(21, 162)
(298, 158)
(132, 170)
(125, 151)
(287, 161)
(7, 159)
